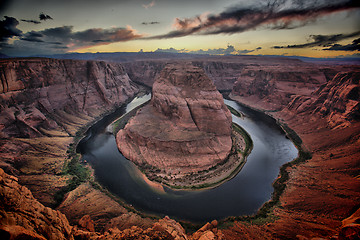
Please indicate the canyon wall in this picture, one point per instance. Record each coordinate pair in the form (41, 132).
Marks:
(322, 191)
(44, 102)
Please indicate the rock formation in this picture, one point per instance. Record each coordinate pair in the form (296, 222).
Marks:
(275, 85)
(43, 103)
(338, 100)
(38, 95)
(23, 217)
(321, 191)
(185, 128)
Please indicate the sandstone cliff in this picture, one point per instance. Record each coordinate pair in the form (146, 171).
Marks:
(275, 85)
(38, 95)
(322, 191)
(223, 71)
(338, 100)
(23, 217)
(43, 103)
(186, 127)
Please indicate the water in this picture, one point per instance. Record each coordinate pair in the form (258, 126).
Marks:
(242, 195)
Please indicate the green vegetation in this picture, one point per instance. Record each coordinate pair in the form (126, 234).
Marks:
(247, 138)
(234, 112)
(79, 174)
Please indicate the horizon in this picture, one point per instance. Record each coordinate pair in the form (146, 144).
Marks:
(287, 28)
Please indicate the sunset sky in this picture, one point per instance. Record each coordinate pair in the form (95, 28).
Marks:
(312, 28)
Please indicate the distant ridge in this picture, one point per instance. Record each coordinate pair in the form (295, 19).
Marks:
(135, 56)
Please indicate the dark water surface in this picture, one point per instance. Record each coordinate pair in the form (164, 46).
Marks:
(242, 195)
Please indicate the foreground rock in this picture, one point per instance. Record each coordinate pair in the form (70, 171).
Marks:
(186, 128)
(23, 217)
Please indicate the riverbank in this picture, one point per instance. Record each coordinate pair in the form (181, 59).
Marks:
(216, 175)
(312, 196)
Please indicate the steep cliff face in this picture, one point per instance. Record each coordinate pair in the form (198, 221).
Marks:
(338, 100)
(186, 127)
(276, 85)
(221, 72)
(43, 103)
(23, 217)
(323, 190)
(37, 93)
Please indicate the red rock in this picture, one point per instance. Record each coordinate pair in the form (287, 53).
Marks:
(186, 127)
(23, 216)
(87, 223)
(35, 93)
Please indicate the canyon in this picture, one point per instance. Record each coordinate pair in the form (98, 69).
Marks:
(48, 104)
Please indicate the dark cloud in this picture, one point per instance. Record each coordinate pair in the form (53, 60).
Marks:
(8, 28)
(150, 23)
(258, 48)
(30, 21)
(32, 37)
(44, 17)
(277, 14)
(354, 46)
(64, 38)
(321, 40)
(89, 37)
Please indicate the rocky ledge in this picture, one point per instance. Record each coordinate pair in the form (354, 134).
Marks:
(185, 129)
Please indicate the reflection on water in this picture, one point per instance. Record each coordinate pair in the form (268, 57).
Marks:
(242, 195)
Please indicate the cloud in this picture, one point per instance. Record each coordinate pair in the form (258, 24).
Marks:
(32, 37)
(8, 28)
(147, 6)
(30, 21)
(44, 17)
(62, 39)
(150, 23)
(169, 50)
(218, 51)
(321, 40)
(354, 46)
(229, 50)
(277, 14)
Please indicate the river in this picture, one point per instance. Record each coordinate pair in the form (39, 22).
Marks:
(242, 195)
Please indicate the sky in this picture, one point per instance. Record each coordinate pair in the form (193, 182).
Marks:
(311, 28)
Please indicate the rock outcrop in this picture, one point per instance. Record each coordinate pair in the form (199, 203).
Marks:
(276, 85)
(338, 100)
(23, 217)
(186, 127)
(39, 96)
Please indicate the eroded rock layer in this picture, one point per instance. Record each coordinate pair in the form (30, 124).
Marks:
(43, 103)
(186, 127)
